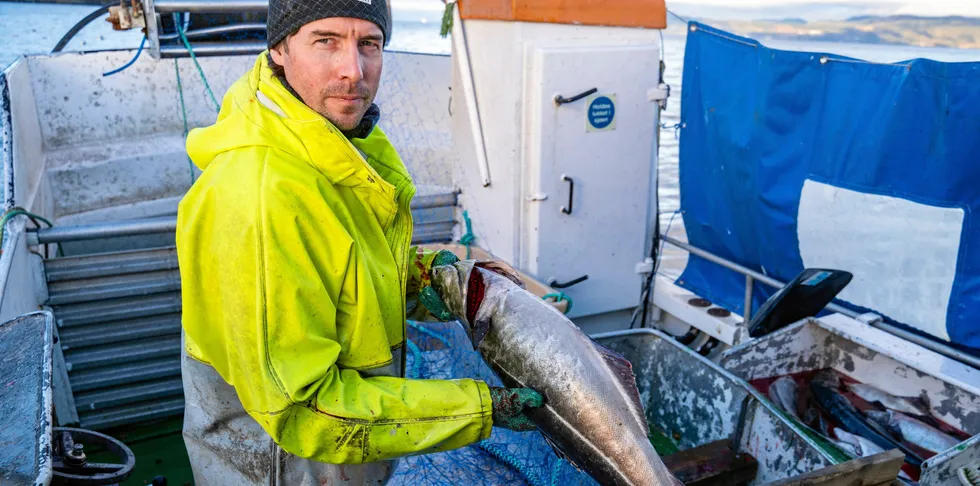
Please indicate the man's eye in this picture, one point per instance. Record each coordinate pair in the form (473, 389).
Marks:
(369, 44)
(325, 40)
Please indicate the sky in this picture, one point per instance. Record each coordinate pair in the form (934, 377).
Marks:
(914, 7)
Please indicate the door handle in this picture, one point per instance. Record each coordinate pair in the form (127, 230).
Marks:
(571, 194)
(554, 283)
(561, 100)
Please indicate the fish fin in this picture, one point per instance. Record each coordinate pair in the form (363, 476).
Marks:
(554, 447)
(558, 452)
(624, 373)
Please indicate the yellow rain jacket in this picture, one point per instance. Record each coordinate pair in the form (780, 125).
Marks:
(295, 258)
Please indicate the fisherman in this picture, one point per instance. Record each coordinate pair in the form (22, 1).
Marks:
(296, 269)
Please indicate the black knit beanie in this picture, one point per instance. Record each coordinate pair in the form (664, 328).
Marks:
(287, 16)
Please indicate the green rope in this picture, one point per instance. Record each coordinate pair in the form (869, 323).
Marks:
(431, 300)
(447, 19)
(187, 45)
(183, 113)
(18, 211)
(468, 238)
(560, 296)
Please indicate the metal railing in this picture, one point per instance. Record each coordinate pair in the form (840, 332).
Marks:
(210, 6)
(426, 230)
(208, 40)
(752, 275)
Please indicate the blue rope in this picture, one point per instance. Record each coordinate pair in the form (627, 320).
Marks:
(677, 129)
(416, 359)
(430, 333)
(555, 470)
(187, 45)
(131, 61)
(468, 238)
(660, 252)
(511, 461)
(493, 450)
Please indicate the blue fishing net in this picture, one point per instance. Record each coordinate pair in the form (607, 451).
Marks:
(443, 351)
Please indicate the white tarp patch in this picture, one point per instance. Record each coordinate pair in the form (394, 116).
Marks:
(902, 254)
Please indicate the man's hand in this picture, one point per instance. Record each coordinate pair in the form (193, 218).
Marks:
(428, 295)
(509, 405)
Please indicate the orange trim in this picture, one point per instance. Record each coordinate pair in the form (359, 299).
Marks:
(651, 14)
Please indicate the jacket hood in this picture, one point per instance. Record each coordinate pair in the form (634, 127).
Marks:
(259, 111)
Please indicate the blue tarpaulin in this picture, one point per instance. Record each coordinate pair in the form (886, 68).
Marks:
(794, 159)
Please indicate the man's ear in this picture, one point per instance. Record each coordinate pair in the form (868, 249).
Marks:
(278, 53)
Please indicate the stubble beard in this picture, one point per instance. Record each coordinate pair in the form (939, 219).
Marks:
(345, 117)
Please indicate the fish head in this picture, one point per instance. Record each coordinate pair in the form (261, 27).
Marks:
(885, 419)
(882, 418)
(451, 282)
(465, 285)
(827, 378)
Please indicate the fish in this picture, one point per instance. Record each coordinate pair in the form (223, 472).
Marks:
(913, 430)
(783, 392)
(813, 420)
(592, 415)
(825, 386)
(864, 447)
(909, 405)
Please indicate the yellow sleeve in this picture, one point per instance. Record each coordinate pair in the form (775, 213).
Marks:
(273, 292)
(419, 267)
(338, 416)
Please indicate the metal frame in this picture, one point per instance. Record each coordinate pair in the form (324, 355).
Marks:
(153, 9)
(873, 320)
(752, 393)
(168, 224)
(211, 6)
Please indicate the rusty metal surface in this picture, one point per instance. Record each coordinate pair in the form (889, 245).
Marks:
(941, 469)
(781, 450)
(25, 399)
(871, 356)
(698, 402)
(794, 348)
(813, 344)
(6, 141)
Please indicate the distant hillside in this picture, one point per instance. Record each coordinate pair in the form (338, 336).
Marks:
(959, 32)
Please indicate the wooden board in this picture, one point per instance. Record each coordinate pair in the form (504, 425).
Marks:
(880, 468)
(651, 14)
(712, 464)
(531, 284)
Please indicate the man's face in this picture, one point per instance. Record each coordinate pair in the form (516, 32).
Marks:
(334, 65)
